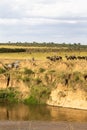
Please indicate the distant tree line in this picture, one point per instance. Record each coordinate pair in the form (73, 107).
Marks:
(43, 44)
(36, 50)
(47, 47)
(10, 50)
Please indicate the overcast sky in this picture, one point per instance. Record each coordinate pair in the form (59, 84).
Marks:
(43, 21)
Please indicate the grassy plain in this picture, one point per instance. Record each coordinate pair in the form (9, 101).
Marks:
(39, 55)
(39, 52)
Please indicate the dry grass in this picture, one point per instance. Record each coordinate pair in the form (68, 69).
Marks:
(37, 55)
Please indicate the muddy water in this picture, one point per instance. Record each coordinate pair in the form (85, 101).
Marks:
(21, 112)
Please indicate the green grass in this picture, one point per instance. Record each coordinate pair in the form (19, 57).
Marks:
(31, 100)
(38, 55)
(9, 95)
(2, 70)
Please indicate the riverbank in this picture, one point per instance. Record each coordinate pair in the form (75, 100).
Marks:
(60, 83)
(41, 125)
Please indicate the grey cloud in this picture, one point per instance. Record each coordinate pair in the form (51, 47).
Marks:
(46, 33)
(22, 22)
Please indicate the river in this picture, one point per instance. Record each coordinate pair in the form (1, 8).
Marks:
(22, 112)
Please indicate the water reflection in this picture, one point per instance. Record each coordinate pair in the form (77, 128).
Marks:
(41, 112)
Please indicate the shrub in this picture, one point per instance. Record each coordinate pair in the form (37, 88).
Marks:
(52, 71)
(9, 95)
(77, 76)
(31, 100)
(38, 81)
(40, 93)
(41, 70)
(28, 71)
(2, 70)
(26, 79)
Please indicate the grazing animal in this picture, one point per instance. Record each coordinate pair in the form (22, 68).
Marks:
(54, 58)
(85, 77)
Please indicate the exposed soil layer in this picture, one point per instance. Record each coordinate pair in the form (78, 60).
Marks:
(60, 83)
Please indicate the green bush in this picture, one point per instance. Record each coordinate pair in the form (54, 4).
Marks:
(52, 71)
(28, 71)
(38, 81)
(9, 95)
(2, 70)
(77, 76)
(41, 70)
(31, 100)
(26, 79)
(40, 93)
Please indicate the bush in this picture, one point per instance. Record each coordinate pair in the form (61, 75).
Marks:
(38, 81)
(2, 70)
(26, 79)
(40, 93)
(77, 76)
(52, 71)
(31, 100)
(28, 71)
(41, 70)
(9, 95)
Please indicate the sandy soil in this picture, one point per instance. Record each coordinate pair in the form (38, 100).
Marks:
(40, 125)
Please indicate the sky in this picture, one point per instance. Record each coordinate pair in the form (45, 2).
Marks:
(43, 21)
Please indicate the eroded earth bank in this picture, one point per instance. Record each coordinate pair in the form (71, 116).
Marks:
(60, 83)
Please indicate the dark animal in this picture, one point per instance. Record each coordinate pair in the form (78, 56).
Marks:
(8, 80)
(54, 58)
(85, 77)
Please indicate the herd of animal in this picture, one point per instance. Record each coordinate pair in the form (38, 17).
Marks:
(56, 58)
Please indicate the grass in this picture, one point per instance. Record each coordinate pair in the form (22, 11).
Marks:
(37, 55)
(24, 55)
(21, 46)
(31, 100)
(41, 70)
(28, 71)
(38, 95)
(2, 70)
(9, 95)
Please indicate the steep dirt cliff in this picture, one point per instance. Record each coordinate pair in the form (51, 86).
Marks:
(66, 97)
(62, 83)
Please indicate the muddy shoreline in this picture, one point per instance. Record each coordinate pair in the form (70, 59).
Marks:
(41, 125)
